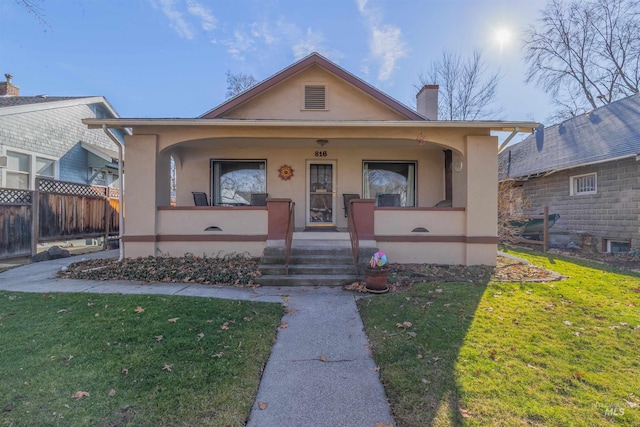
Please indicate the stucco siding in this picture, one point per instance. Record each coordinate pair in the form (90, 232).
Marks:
(611, 213)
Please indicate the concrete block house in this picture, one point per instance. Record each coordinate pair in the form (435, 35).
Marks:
(43, 136)
(297, 152)
(587, 169)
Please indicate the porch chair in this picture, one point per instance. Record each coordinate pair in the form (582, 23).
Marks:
(200, 198)
(443, 204)
(346, 198)
(259, 199)
(388, 200)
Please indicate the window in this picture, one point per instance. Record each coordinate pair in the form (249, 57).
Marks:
(234, 181)
(45, 167)
(387, 181)
(315, 97)
(18, 170)
(583, 184)
(617, 246)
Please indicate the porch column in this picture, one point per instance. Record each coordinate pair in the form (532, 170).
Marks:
(482, 200)
(278, 218)
(140, 195)
(363, 218)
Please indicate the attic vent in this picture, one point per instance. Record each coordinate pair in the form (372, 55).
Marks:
(314, 98)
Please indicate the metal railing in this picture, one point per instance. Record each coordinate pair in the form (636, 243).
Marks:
(289, 237)
(353, 236)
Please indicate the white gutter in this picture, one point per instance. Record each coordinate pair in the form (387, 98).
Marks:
(509, 138)
(120, 190)
(492, 125)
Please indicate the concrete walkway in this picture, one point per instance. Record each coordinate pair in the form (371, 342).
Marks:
(320, 372)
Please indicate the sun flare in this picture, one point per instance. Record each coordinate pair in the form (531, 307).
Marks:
(502, 36)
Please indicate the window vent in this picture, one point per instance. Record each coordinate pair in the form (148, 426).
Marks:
(314, 98)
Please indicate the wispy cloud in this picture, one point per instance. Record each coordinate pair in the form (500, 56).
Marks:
(208, 22)
(265, 36)
(184, 16)
(386, 44)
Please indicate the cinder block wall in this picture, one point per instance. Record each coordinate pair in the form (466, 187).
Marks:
(612, 213)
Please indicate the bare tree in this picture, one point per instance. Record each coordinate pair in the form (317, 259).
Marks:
(467, 91)
(238, 83)
(585, 53)
(34, 8)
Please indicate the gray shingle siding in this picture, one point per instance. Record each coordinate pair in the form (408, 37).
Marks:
(56, 132)
(612, 213)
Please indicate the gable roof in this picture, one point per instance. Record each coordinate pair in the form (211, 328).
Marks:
(23, 104)
(606, 133)
(312, 59)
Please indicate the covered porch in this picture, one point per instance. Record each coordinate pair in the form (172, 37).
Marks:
(425, 191)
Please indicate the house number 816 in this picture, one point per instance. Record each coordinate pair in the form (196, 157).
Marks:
(321, 154)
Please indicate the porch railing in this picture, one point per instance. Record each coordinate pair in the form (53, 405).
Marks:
(353, 236)
(289, 237)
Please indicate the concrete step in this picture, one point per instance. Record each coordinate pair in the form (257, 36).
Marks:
(307, 259)
(307, 280)
(313, 269)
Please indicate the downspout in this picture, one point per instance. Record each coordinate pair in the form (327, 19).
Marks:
(120, 191)
(509, 138)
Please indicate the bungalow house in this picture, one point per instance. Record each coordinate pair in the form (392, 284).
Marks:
(586, 169)
(305, 147)
(43, 136)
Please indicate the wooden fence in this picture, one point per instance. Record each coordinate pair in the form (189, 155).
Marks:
(56, 210)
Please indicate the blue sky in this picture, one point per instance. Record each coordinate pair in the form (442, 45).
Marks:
(168, 58)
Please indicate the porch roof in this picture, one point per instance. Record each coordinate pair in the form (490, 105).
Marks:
(494, 125)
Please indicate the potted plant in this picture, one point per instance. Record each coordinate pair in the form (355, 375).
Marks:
(377, 273)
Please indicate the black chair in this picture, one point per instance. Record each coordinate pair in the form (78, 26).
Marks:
(443, 204)
(200, 198)
(346, 198)
(388, 200)
(259, 199)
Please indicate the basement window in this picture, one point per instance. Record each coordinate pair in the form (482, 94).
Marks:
(583, 184)
(315, 97)
(617, 246)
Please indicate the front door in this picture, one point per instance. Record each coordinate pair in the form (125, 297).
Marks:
(321, 193)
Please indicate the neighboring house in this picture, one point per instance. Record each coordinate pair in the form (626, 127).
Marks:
(43, 136)
(587, 169)
(312, 135)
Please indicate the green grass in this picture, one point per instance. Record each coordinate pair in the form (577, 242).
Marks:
(513, 354)
(52, 346)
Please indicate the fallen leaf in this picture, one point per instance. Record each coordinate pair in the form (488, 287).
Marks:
(124, 371)
(200, 336)
(291, 310)
(218, 355)
(159, 338)
(247, 319)
(404, 325)
(225, 326)
(80, 394)
(566, 322)
(283, 325)
(167, 367)
(375, 369)
(323, 358)
(209, 321)
(412, 334)
(262, 405)
(579, 375)
(112, 392)
(369, 346)
(139, 310)
(173, 320)
(287, 298)
(97, 315)
(61, 311)
(464, 413)
(381, 424)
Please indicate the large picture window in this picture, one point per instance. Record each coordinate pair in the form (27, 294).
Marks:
(18, 169)
(234, 181)
(390, 183)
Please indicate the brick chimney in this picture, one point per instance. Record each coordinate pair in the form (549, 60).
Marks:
(427, 101)
(7, 88)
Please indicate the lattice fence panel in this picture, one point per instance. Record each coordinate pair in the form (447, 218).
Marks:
(71, 188)
(15, 197)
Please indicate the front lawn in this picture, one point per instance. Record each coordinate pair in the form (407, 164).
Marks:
(512, 354)
(112, 360)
